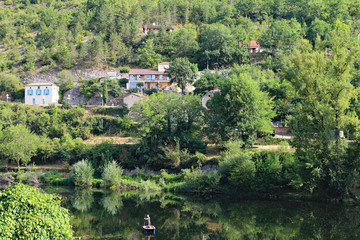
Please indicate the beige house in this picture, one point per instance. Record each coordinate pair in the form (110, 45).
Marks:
(131, 98)
(208, 96)
(253, 46)
(41, 93)
(150, 78)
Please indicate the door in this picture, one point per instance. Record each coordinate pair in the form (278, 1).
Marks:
(33, 100)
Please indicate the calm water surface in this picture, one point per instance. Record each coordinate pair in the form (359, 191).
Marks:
(99, 214)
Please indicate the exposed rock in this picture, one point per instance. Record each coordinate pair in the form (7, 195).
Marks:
(6, 179)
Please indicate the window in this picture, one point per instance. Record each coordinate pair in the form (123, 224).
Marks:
(38, 91)
(31, 92)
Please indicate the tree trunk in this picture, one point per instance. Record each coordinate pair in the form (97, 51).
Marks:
(18, 165)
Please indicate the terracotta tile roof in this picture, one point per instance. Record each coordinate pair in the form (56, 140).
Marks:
(254, 43)
(145, 72)
(164, 63)
(136, 94)
(40, 84)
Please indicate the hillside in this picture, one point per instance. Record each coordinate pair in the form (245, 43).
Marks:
(49, 35)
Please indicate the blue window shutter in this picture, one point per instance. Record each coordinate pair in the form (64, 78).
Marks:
(39, 91)
(31, 92)
(44, 91)
(28, 92)
(48, 91)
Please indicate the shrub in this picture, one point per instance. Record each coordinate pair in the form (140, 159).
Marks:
(242, 171)
(112, 174)
(27, 213)
(124, 69)
(268, 175)
(82, 173)
(201, 182)
(28, 177)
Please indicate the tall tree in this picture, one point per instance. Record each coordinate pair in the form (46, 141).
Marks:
(182, 72)
(322, 83)
(239, 111)
(207, 82)
(148, 58)
(18, 144)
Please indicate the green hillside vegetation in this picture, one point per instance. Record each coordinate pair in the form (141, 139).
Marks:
(96, 33)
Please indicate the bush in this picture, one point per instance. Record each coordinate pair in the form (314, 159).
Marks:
(28, 177)
(27, 213)
(268, 176)
(112, 174)
(82, 173)
(112, 111)
(124, 69)
(242, 171)
(201, 182)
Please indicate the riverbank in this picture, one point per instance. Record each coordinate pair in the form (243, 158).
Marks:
(189, 182)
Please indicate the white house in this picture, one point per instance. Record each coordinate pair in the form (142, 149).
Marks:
(41, 93)
(131, 98)
(208, 96)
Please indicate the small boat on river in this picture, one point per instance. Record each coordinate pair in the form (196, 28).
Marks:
(148, 228)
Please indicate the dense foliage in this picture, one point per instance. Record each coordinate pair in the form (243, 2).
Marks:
(100, 33)
(27, 213)
(82, 173)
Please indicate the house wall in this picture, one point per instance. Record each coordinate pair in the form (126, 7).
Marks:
(41, 97)
(206, 98)
(162, 68)
(131, 99)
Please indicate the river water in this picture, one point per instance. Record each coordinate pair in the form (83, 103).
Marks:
(97, 214)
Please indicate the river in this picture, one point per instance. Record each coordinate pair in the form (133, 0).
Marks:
(98, 214)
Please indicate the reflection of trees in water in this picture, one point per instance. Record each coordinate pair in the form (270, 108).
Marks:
(112, 202)
(82, 199)
(184, 217)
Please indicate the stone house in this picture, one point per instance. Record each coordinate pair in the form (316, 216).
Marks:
(41, 93)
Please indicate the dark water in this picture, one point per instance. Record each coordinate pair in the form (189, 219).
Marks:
(112, 215)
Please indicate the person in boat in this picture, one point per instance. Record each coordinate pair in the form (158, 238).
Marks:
(147, 219)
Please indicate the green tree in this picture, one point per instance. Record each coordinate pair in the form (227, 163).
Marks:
(82, 173)
(112, 175)
(148, 58)
(217, 46)
(281, 35)
(328, 164)
(165, 118)
(65, 82)
(240, 110)
(30, 58)
(38, 215)
(18, 144)
(182, 72)
(105, 92)
(184, 41)
(207, 82)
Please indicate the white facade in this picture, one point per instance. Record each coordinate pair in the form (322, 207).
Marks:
(41, 93)
(163, 66)
(208, 96)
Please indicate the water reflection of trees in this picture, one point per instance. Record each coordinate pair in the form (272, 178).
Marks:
(82, 199)
(112, 202)
(181, 217)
